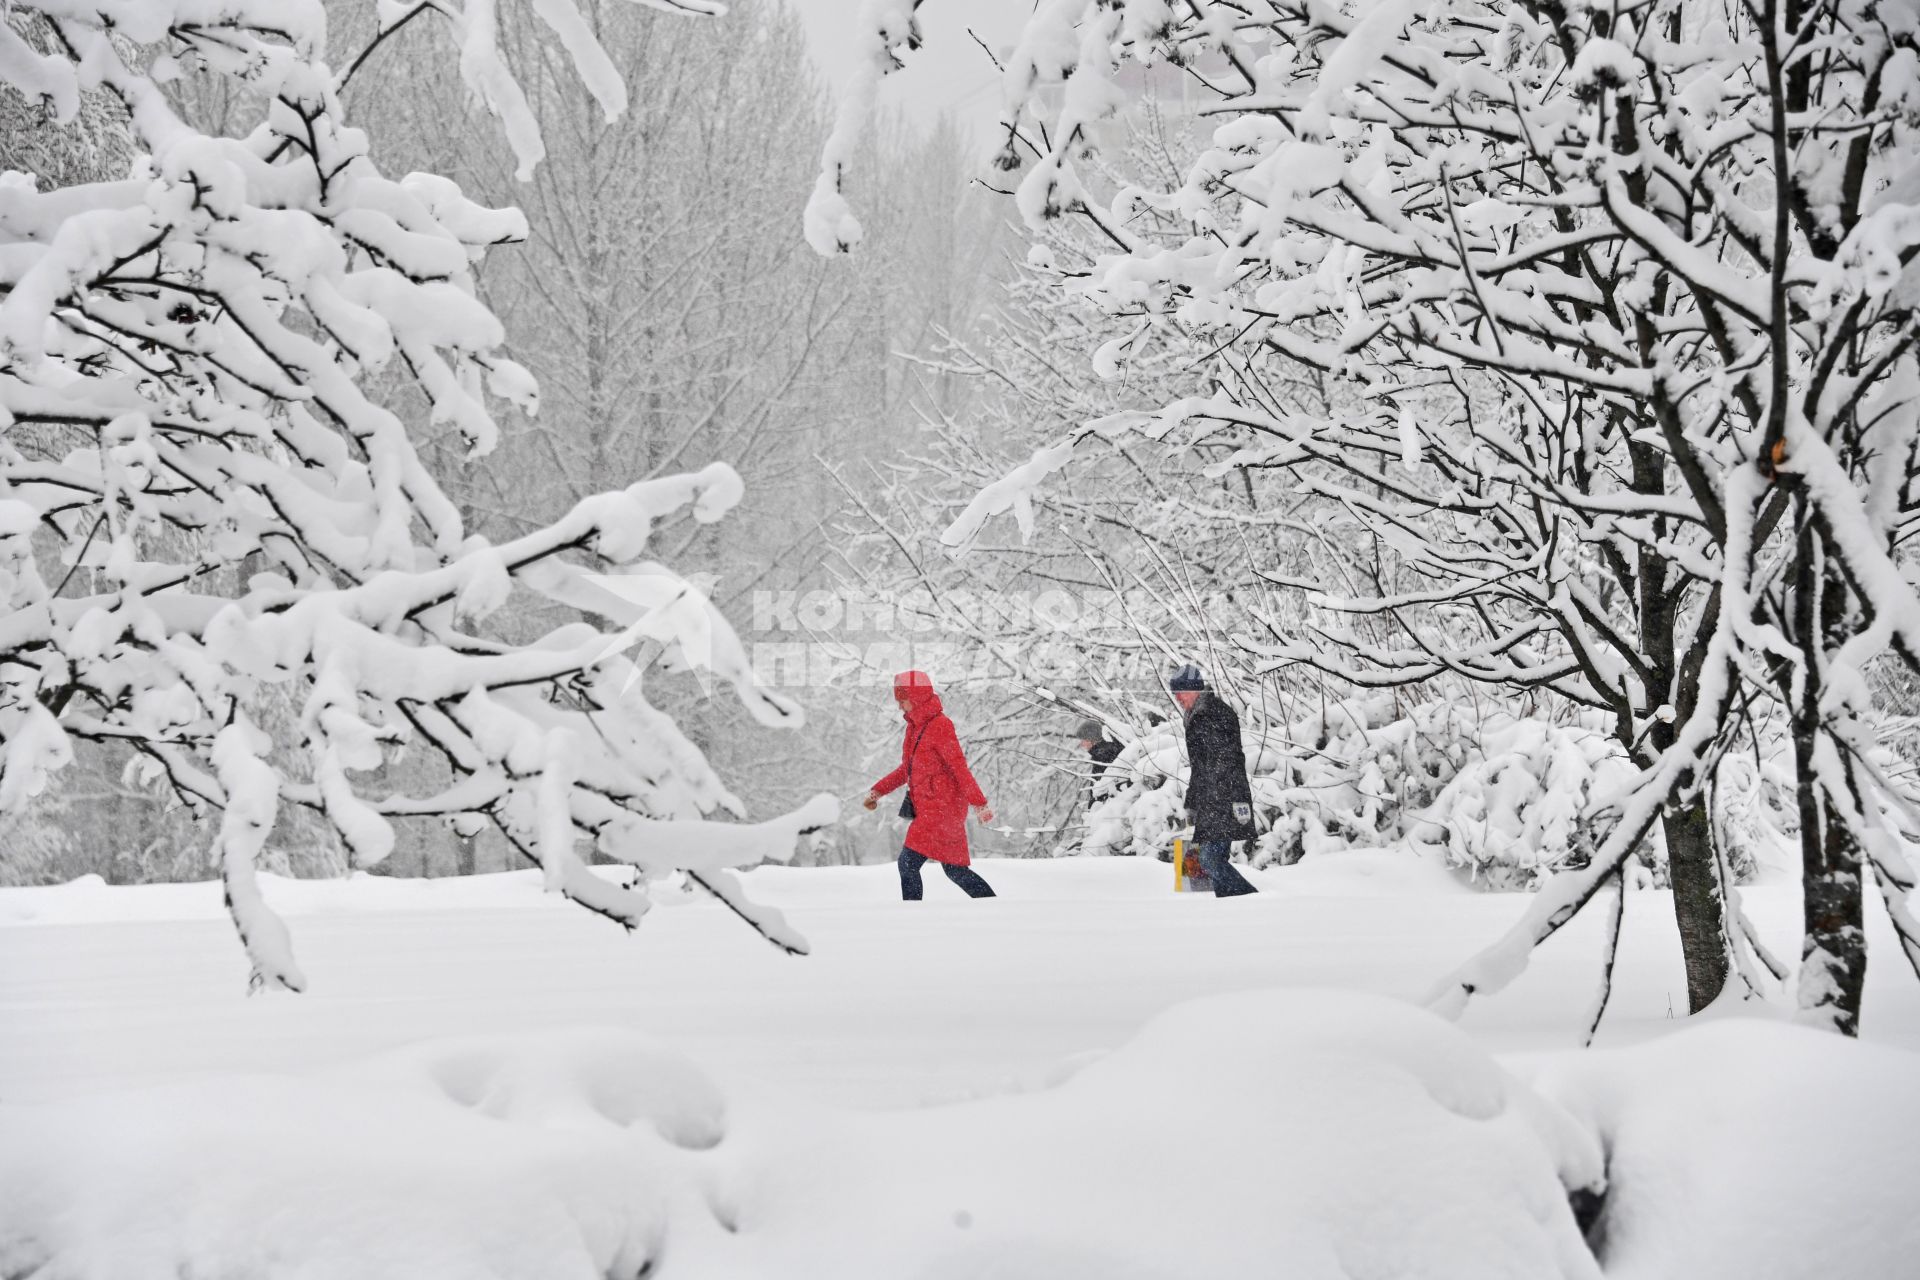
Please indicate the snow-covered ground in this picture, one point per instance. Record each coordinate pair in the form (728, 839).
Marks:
(484, 1080)
(104, 987)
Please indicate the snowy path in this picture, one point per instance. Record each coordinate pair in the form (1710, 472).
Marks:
(105, 987)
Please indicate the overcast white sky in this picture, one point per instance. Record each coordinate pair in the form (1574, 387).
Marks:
(949, 73)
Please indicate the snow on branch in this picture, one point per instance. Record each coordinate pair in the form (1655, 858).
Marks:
(475, 25)
(1568, 286)
(209, 508)
(887, 26)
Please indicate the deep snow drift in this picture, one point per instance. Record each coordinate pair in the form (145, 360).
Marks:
(1016, 1088)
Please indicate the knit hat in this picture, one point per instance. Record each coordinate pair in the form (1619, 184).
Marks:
(1091, 731)
(1187, 679)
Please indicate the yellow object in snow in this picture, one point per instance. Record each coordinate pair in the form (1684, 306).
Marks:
(1188, 875)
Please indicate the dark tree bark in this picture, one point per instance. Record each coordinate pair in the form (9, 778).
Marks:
(1833, 955)
(1698, 906)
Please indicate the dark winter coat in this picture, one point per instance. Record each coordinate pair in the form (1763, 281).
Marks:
(1103, 753)
(941, 786)
(1219, 798)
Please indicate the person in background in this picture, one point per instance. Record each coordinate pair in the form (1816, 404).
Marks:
(940, 788)
(1219, 797)
(1102, 750)
(1094, 741)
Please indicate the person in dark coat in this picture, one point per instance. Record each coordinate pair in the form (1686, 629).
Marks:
(1102, 749)
(940, 789)
(1219, 797)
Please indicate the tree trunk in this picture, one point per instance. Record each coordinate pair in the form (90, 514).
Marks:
(1699, 899)
(1698, 904)
(1833, 951)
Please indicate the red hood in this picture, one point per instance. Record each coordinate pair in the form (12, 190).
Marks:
(916, 689)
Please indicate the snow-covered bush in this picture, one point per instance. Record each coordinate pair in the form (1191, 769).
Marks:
(1355, 771)
(206, 489)
(1753, 808)
(1506, 798)
(1518, 811)
(1138, 804)
(1347, 772)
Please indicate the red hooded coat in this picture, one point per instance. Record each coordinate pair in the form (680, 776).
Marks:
(941, 785)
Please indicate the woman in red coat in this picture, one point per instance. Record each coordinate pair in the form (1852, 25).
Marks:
(939, 790)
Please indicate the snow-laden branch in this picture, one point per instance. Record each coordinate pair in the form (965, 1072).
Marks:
(885, 27)
(1578, 278)
(207, 496)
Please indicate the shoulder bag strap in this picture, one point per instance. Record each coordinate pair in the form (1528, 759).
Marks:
(915, 750)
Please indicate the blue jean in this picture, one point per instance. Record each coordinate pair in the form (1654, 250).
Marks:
(1227, 882)
(966, 877)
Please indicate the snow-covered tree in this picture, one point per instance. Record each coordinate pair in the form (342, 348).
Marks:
(204, 495)
(1083, 613)
(1137, 559)
(1626, 294)
(672, 318)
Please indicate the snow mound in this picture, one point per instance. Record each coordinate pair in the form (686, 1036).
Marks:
(1316, 1135)
(268, 1177)
(1322, 1135)
(1747, 1149)
(579, 1078)
(1333, 1134)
